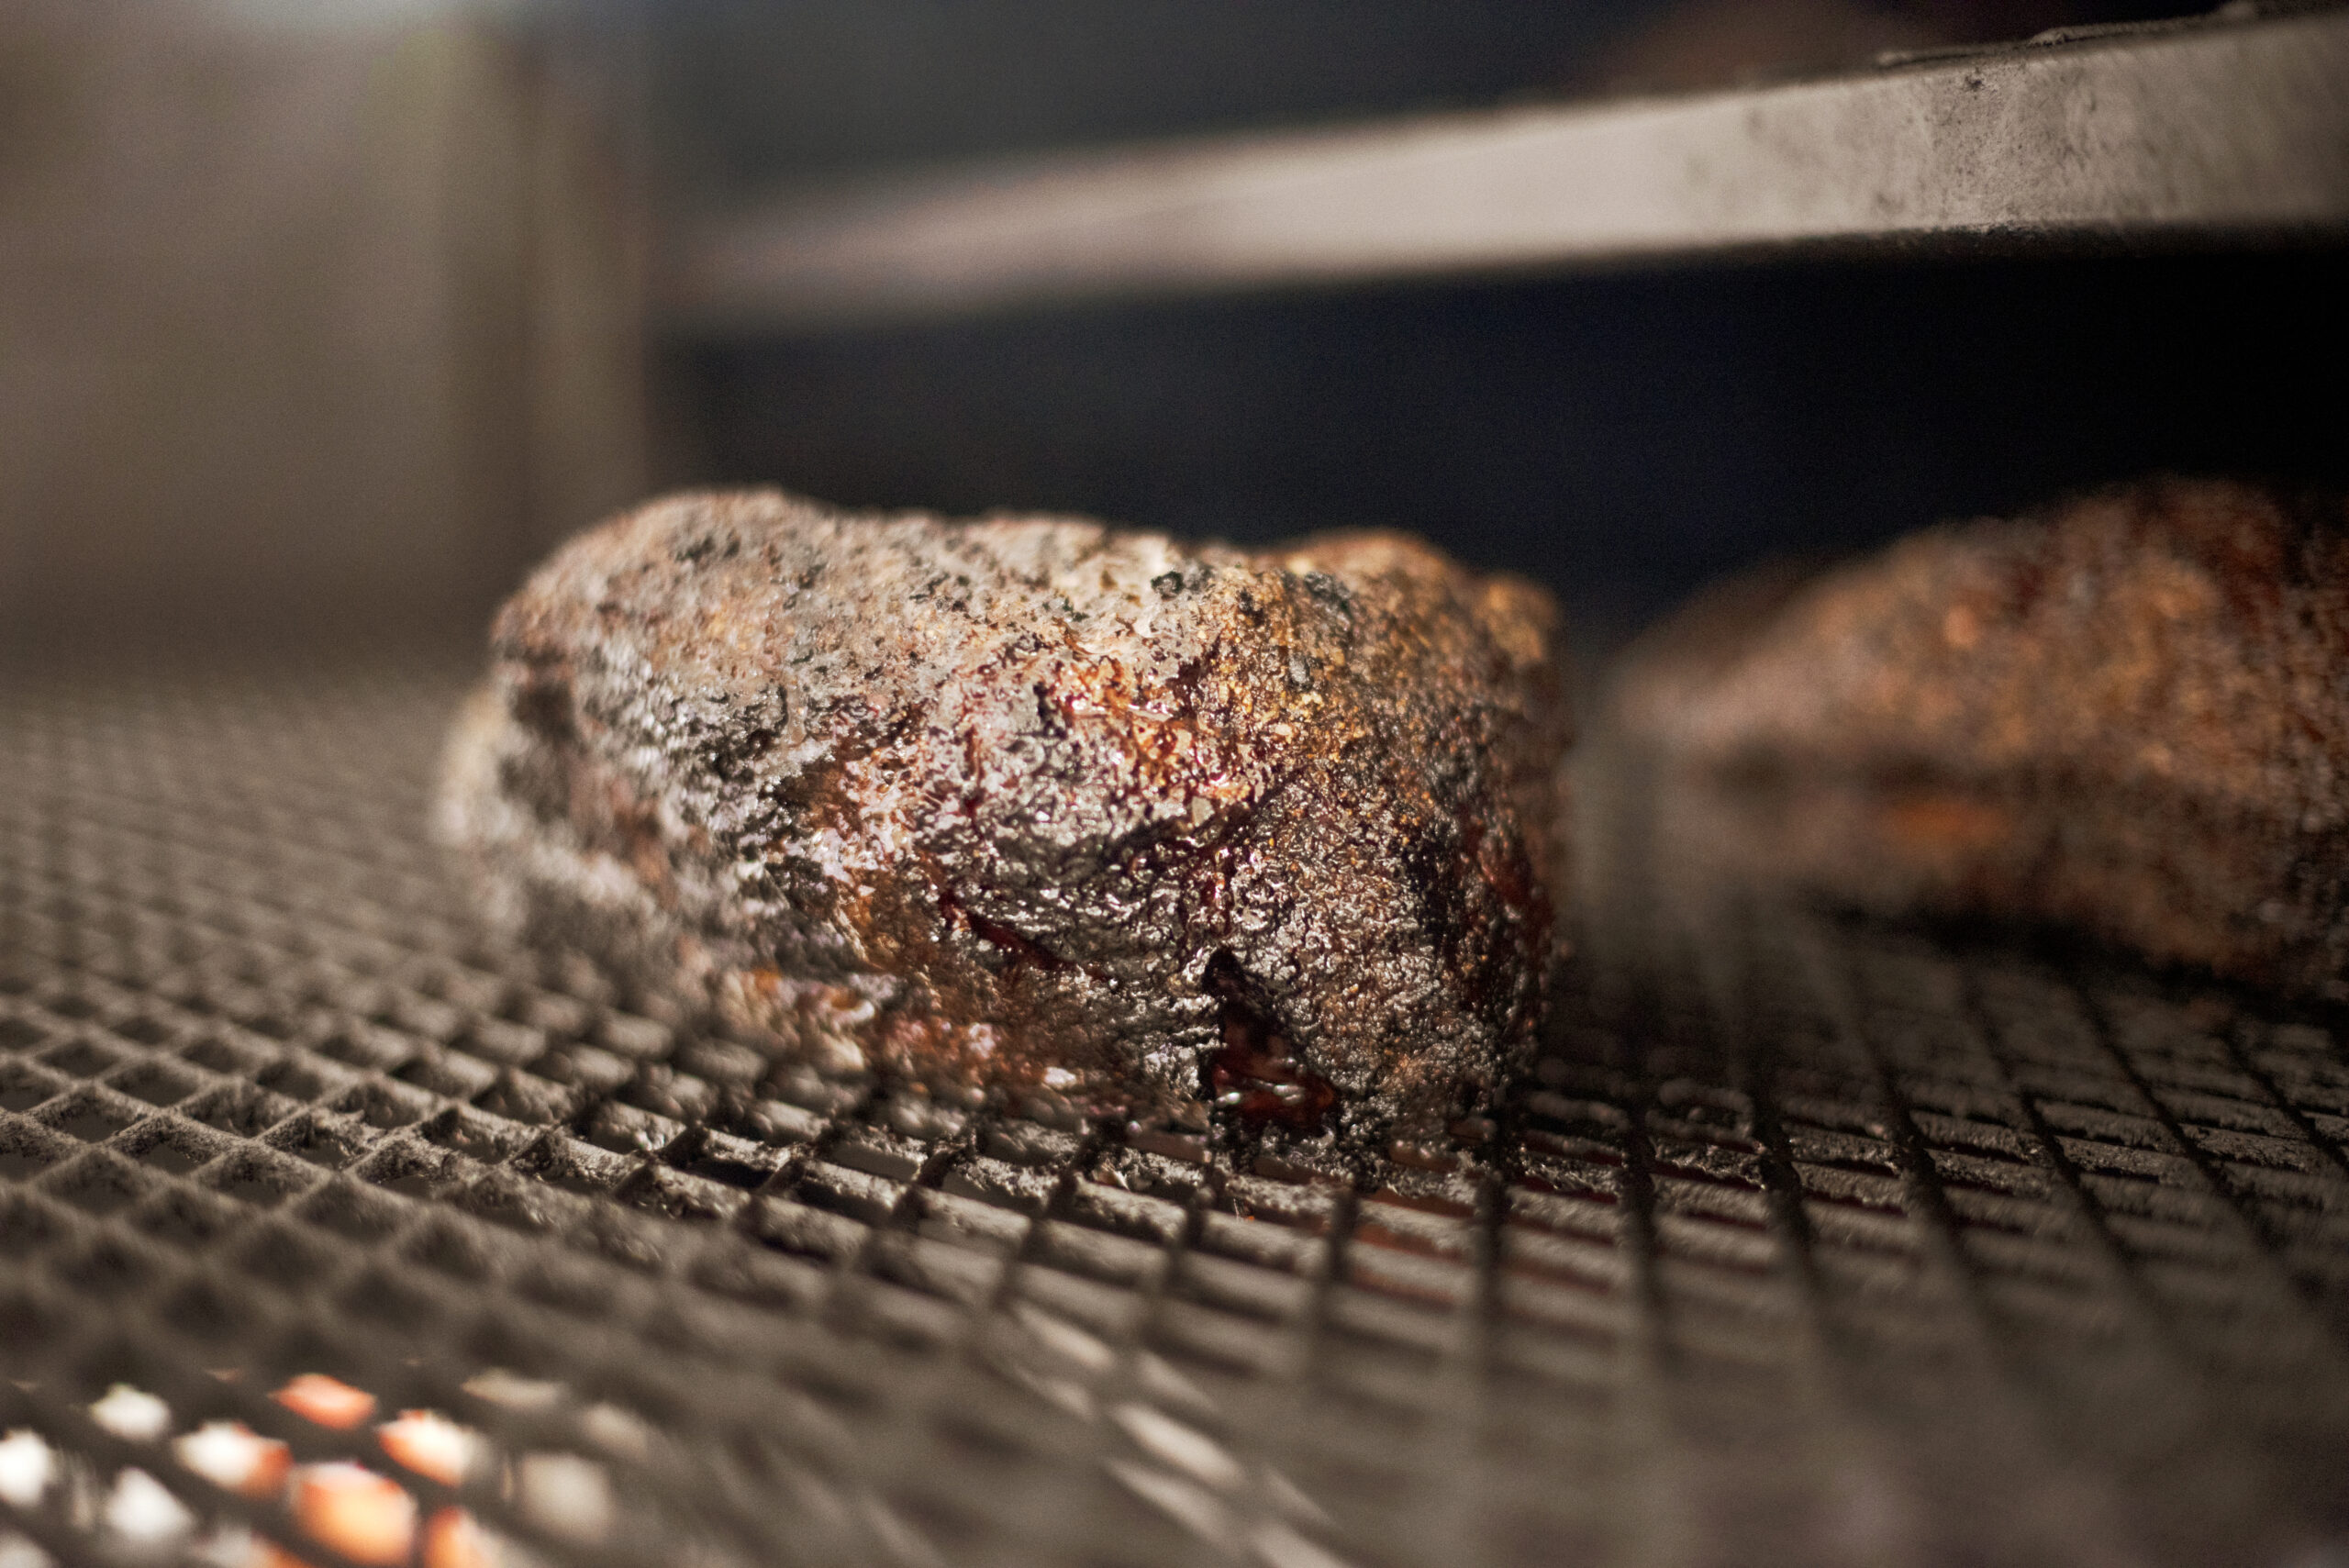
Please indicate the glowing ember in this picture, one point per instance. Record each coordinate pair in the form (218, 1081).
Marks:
(431, 1444)
(235, 1458)
(365, 1516)
(316, 1397)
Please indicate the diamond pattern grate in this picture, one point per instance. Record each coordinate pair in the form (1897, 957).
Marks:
(1806, 1243)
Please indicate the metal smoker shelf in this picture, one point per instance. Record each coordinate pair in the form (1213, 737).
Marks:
(2223, 129)
(1816, 1244)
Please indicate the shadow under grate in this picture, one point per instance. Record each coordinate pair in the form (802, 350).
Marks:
(1807, 1243)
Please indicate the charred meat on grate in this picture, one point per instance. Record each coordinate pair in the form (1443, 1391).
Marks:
(2127, 714)
(1036, 801)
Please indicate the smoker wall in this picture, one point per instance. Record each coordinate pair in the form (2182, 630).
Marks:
(305, 324)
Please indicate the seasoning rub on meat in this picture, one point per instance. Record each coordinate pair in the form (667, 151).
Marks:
(1182, 829)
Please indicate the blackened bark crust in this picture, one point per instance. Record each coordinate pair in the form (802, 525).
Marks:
(1184, 828)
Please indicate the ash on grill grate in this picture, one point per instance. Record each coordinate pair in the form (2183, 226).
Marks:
(1806, 1243)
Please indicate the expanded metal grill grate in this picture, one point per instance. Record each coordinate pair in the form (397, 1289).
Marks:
(1819, 1244)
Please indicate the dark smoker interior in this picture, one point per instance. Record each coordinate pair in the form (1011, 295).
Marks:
(1621, 438)
(340, 1226)
(289, 365)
